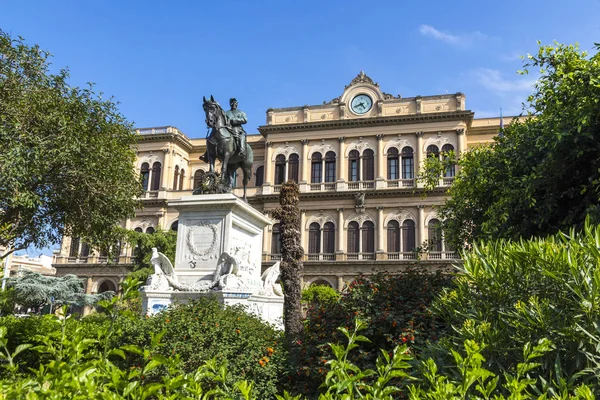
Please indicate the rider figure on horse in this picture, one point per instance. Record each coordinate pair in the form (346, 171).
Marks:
(236, 118)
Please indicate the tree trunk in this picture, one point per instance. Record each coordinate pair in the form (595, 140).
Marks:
(291, 255)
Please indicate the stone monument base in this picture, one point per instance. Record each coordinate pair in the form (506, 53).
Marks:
(218, 253)
(267, 308)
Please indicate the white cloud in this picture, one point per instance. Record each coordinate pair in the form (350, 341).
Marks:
(462, 40)
(492, 79)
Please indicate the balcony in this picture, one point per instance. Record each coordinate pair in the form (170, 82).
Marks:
(447, 181)
(360, 185)
(405, 183)
(442, 255)
(360, 256)
(319, 257)
(324, 186)
(401, 256)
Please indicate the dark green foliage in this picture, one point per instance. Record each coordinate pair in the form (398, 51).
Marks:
(542, 174)
(291, 255)
(513, 293)
(320, 294)
(142, 243)
(33, 289)
(66, 156)
(396, 310)
(206, 329)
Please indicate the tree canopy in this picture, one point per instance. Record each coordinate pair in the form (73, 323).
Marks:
(66, 156)
(542, 173)
(32, 289)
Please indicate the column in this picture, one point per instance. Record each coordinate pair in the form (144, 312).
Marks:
(461, 141)
(266, 239)
(420, 158)
(379, 176)
(302, 227)
(421, 225)
(340, 235)
(167, 169)
(268, 178)
(304, 163)
(340, 283)
(341, 167)
(159, 220)
(380, 249)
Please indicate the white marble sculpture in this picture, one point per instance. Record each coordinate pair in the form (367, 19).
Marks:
(232, 274)
(269, 278)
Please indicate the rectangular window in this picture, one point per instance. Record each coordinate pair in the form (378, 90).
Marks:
(393, 169)
(316, 175)
(353, 170)
(329, 171)
(408, 168)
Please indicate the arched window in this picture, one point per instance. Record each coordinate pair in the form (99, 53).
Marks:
(138, 229)
(145, 173)
(276, 239)
(408, 236)
(354, 166)
(314, 238)
(279, 169)
(433, 151)
(181, 179)
(175, 226)
(393, 237)
(293, 164)
(393, 164)
(150, 230)
(316, 168)
(107, 286)
(259, 176)
(353, 238)
(198, 178)
(408, 163)
(368, 165)
(328, 238)
(450, 170)
(368, 237)
(330, 166)
(156, 170)
(74, 249)
(435, 235)
(175, 177)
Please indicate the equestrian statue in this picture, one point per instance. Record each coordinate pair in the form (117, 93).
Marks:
(226, 142)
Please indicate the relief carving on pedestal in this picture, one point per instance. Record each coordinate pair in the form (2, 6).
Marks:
(202, 240)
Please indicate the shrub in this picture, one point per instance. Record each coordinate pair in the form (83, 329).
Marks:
(395, 308)
(320, 294)
(205, 329)
(512, 293)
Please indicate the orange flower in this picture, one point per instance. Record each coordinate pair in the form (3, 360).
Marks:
(261, 362)
(167, 321)
(270, 350)
(217, 324)
(237, 331)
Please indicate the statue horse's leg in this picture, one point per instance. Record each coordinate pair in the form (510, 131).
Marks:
(247, 171)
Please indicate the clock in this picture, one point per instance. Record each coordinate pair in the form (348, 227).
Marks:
(361, 104)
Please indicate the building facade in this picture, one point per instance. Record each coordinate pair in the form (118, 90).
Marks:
(355, 158)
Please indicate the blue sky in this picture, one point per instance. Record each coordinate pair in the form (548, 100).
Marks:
(159, 58)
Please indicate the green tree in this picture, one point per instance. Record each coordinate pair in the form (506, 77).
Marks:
(291, 255)
(32, 289)
(542, 174)
(142, 243)
(66, 156)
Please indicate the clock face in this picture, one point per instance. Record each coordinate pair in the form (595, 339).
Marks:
(361, 104)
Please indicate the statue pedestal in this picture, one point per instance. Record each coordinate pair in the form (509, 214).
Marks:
(212, 226)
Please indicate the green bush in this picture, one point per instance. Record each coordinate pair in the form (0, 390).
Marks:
(205, 329)
(395, 308)
(512, 293)
(320, 294)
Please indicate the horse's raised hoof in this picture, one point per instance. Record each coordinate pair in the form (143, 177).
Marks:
(204, 157)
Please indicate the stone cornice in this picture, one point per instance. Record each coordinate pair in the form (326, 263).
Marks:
(349, 195)
(360, 122)
(180, 139)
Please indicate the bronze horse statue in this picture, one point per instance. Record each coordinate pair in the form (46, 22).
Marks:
(221, 145)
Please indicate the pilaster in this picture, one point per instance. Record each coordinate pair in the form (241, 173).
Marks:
(379, 177)
(341, 167)
(340, 235)
(420, 155)
(268, 178)
(380, 249)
